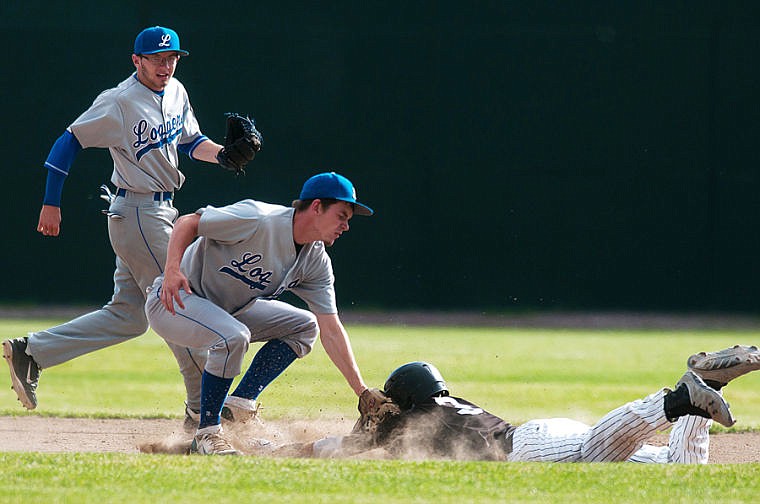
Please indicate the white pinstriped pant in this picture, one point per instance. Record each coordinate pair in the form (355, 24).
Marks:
(619, 436)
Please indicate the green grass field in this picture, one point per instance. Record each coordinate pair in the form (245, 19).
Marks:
(518, 374)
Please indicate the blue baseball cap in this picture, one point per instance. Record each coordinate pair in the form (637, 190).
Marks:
(158, 39)
(333, 186)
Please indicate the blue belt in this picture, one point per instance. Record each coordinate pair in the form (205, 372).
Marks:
(157, 196)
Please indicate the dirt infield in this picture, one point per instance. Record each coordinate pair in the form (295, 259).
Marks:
(67, 435)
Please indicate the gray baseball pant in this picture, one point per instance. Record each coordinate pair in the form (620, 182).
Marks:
(139, 227)
(204, 325)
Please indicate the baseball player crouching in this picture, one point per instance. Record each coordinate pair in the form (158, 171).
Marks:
(226, 266)
(422, 419)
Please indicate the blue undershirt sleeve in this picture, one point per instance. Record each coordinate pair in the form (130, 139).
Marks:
(189, 148)
(58, 163)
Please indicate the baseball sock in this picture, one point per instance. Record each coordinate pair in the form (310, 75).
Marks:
(213, 393)
(268, 363)
(677, 403)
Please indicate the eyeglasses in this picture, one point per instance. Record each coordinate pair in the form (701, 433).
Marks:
(170, 60)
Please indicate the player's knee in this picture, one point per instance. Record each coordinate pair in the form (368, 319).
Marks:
(304, 336)
(236, 343)
(225, 358)
(135, 326)
(132, 323)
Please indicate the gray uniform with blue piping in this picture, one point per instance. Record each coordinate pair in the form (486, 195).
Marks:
(142, 130)
(246, 257)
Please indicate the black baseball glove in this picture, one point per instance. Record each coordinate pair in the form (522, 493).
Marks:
(241, 143)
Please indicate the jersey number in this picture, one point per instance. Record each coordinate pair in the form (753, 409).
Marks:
(462, 409)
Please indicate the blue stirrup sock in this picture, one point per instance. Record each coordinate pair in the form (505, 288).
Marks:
(268, 363)
(213, 393)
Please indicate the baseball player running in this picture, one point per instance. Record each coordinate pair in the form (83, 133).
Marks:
(226, 266)
(145, 122)
(421, 418)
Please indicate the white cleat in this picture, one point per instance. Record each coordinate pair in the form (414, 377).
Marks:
(725, 365)
(238, 410)
(209, 441)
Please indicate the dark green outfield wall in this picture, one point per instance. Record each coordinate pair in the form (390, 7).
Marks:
(584, 155)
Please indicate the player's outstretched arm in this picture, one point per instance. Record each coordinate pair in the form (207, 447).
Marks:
(50, 220)
(342, 446)
(303, 450)
(207, 151)
(337, 346)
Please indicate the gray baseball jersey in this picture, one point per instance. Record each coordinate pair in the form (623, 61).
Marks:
(246, 251)
(244, 257)
(141, 129)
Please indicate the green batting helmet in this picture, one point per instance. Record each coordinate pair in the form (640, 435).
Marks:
(414, 383)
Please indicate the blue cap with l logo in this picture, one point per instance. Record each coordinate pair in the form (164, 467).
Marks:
(158, 39)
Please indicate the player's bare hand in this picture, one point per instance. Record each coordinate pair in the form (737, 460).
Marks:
(174, 281)
(50, 220)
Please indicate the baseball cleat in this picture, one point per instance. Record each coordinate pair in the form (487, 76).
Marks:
(706, 400)
(209, 441)
(25, 373)
(723, 366)
(192, 419)
(238, 410)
